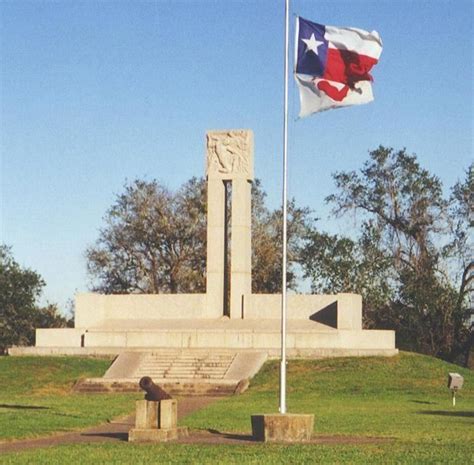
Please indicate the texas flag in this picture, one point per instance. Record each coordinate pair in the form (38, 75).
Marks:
(332, 65)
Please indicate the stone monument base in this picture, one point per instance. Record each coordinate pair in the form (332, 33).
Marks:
(156, 435)
(289, 427)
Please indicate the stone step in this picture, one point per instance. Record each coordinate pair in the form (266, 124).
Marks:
(158, 375)
(210, 370)
(187, 389)
(190, 376)
(178, 370)
(197, 367)
(195, 354)
(189, 356)
(188, 362)
(188, 365)
(185, 374)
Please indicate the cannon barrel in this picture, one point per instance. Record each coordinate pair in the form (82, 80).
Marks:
(153, 391)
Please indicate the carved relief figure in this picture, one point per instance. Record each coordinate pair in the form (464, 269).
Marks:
(228, 152)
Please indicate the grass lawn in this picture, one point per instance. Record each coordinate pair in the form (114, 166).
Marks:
(36, 398)
(403, 398)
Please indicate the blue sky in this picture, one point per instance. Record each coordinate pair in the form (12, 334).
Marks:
(94, 93)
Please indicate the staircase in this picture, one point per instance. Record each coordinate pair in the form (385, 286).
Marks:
(181, 372)
(185, 365)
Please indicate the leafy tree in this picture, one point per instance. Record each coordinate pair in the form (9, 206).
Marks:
(19, 314)
(397, 263)
(154, 241)
(403, 200)
(460, 252)
(461, 220)
(267, 242)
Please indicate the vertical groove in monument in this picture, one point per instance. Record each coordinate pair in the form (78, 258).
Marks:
(227, 242)
(229, 158)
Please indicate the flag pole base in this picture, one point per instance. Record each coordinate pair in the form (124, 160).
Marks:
(288, 427)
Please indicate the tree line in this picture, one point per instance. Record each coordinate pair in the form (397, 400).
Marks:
(20, 313)
(412, 258)
(409, 256)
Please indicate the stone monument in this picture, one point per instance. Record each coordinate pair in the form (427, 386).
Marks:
(228, 316)
(229, 164)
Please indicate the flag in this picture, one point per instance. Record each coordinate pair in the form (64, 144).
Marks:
(332, 65)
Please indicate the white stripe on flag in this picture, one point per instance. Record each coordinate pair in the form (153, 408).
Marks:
(354, 40)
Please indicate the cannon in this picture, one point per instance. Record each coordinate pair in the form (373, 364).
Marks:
(153, 391)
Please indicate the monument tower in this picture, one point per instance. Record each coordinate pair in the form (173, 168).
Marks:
(229, 174)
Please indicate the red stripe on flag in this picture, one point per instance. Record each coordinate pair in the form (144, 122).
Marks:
(336, 94)
(348, 67)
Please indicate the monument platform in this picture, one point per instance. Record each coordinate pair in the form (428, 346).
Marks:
(304, 338)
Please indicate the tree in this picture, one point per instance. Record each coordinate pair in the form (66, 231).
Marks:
(399, 252)
(19, 313)
(154, 241)
(403, 200)
(459, 251)
(267, 242)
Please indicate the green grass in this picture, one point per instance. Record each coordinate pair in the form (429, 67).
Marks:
(36, 398)
(403, 398)
(259, 454)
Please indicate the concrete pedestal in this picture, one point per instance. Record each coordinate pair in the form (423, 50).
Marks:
(151, 414)
(288, 427)
(146, 414)
(156, 421)
(156, 435)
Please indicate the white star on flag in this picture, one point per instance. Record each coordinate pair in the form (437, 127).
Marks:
(312, 44)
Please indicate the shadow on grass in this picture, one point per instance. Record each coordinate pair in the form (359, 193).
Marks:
(423, 402)
(67, 415)
(119, 436)
(24, 407)
(237, 437)
(448, 413)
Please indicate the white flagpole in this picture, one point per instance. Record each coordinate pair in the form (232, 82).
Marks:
(284, 261)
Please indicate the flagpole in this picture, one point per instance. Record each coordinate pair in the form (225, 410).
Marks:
(284, 202)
